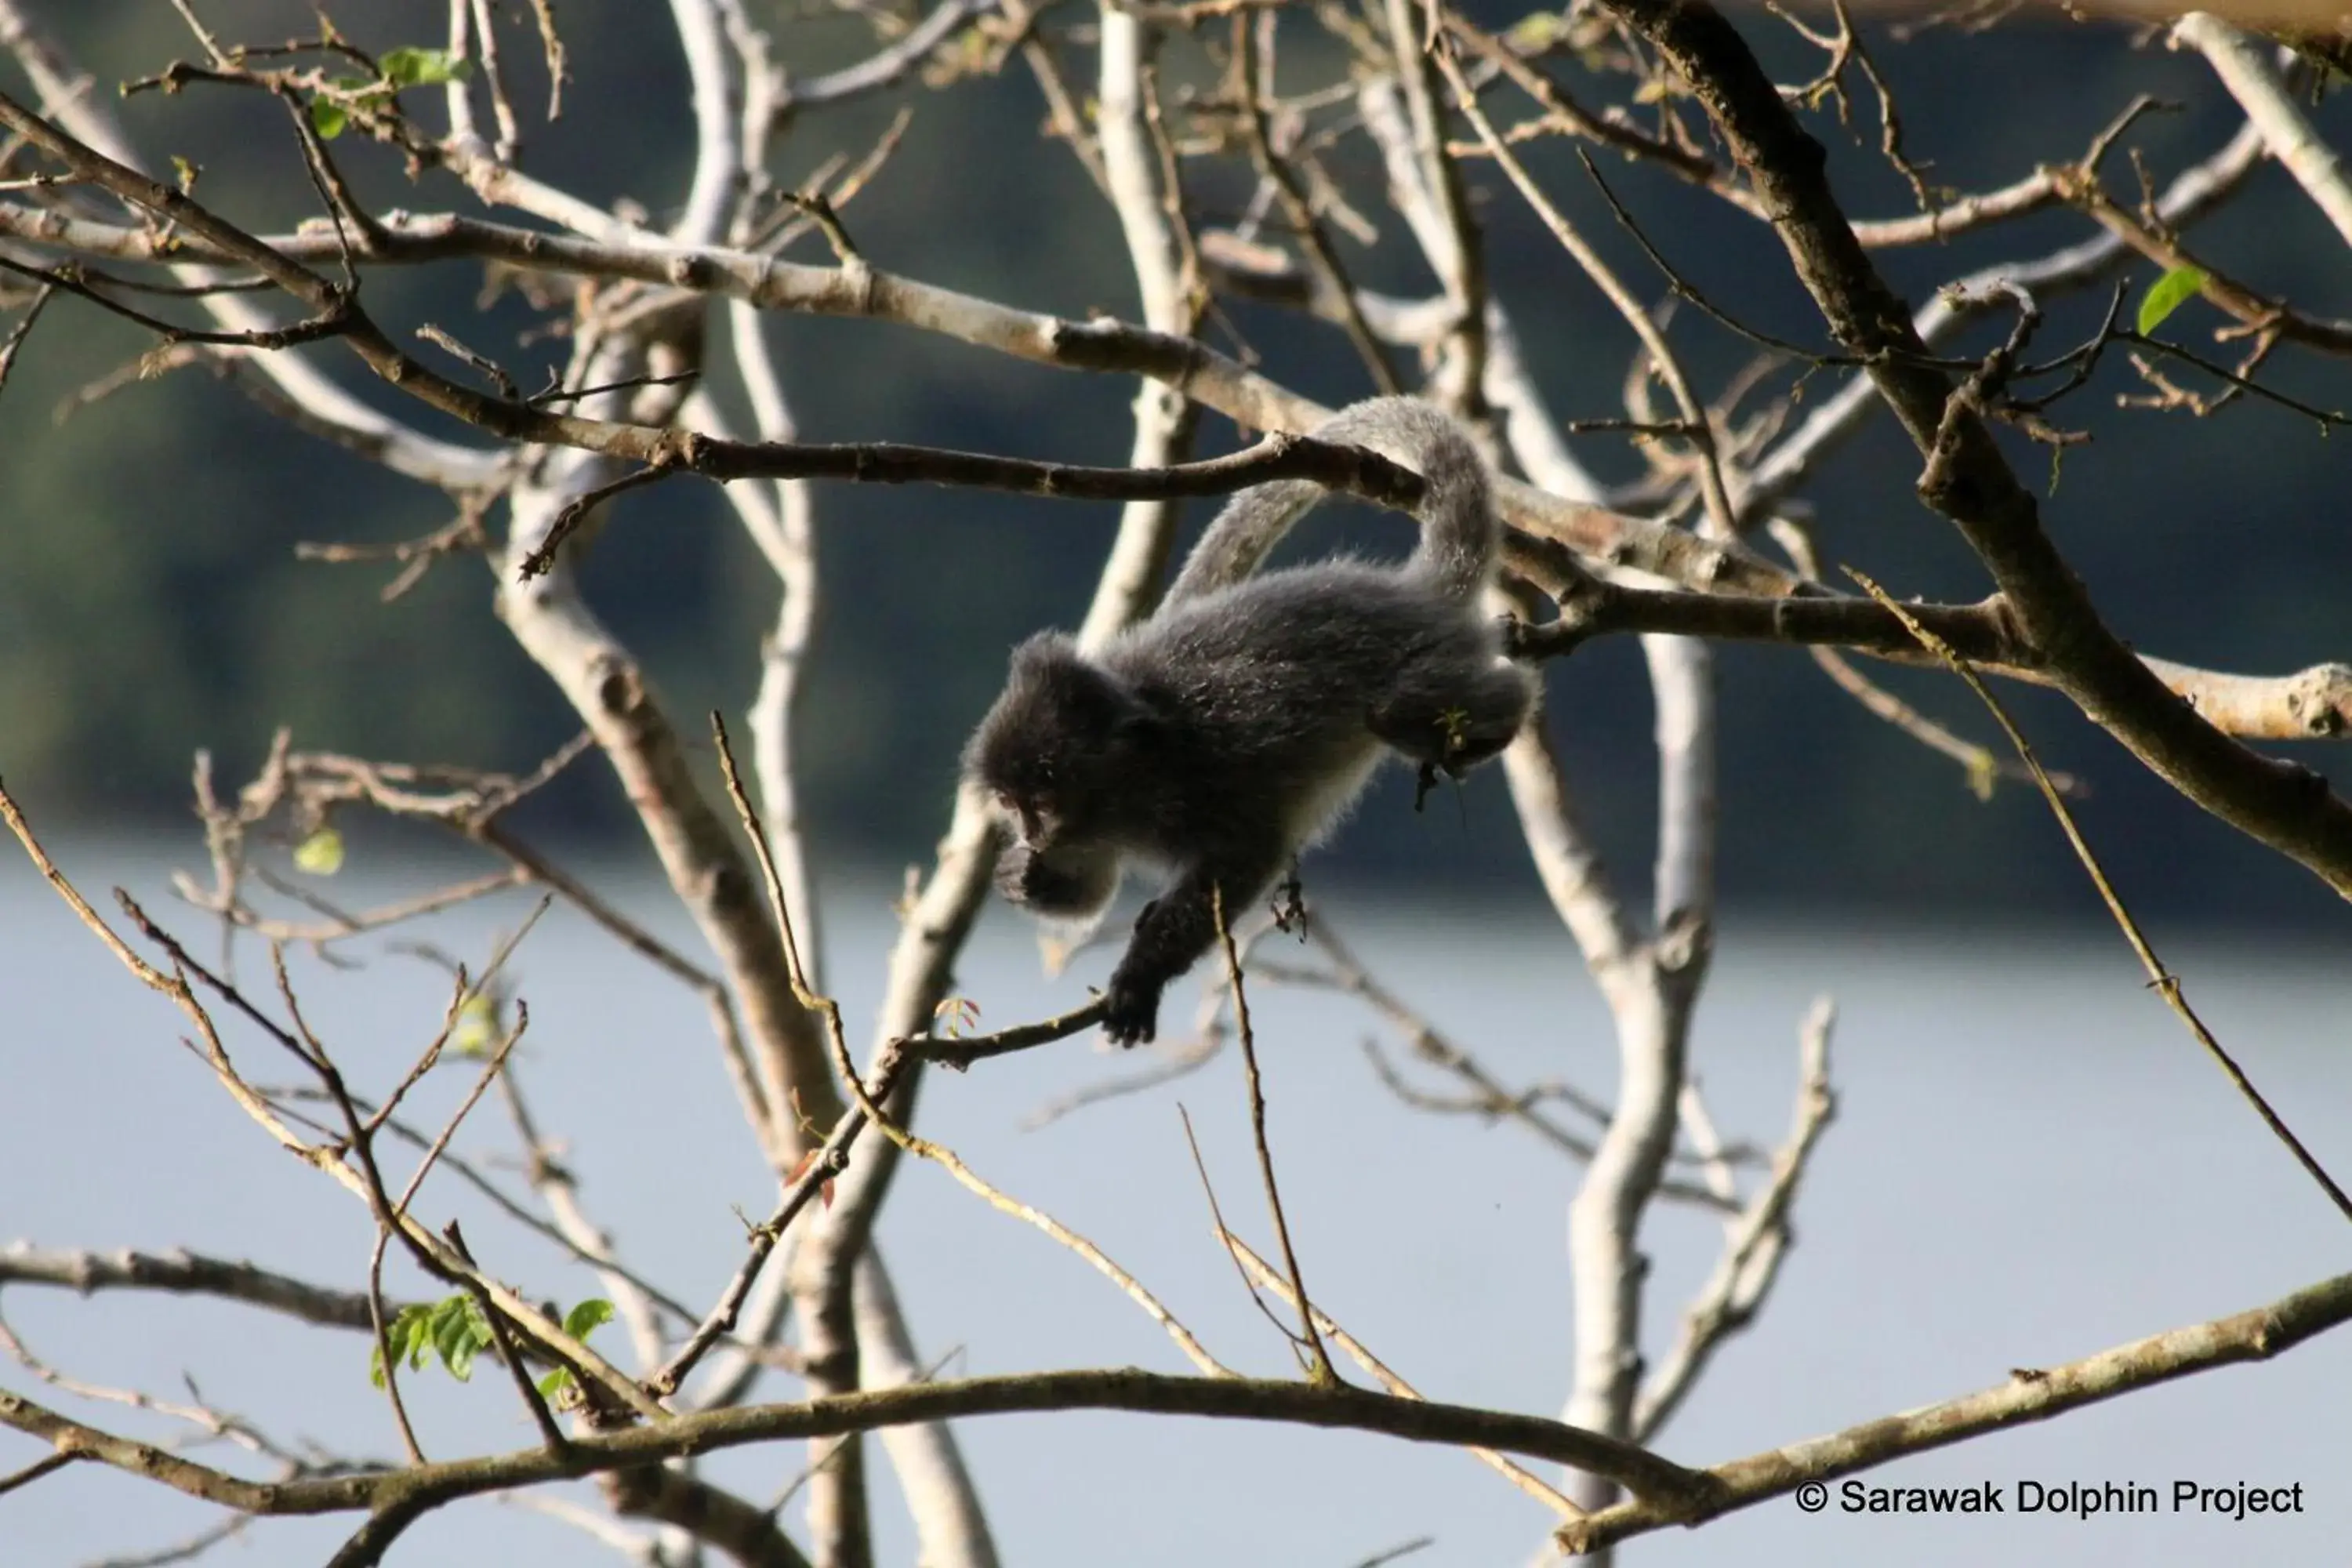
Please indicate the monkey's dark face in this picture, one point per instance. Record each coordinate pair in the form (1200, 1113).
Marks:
(1049, 791)
(1030, 800)
(1051, 757)
(1060, 863)
(1052, 751)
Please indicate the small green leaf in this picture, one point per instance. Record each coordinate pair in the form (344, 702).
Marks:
(1535, 32)
(1983, 773)
(327, 119)
(423, 68)
(446, 1319)
(555, 1383)
(321, 854)
(587, 1317)
(477, 1028)
(2167, 294)
(459, 1334)
(452, 1327)
(412, 1335)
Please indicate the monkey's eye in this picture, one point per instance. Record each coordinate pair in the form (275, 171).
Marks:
(1030, 818)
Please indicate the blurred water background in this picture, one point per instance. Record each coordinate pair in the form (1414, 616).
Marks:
(2032, 1162)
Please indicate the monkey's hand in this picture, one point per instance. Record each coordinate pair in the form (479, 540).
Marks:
(1130, 1009)
(1176, 928)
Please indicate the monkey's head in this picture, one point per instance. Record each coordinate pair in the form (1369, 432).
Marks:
(1056, 758)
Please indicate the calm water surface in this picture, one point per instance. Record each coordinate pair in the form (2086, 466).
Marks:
(2031, 1162)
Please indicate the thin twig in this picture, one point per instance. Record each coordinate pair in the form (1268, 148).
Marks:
(1262, 1273)
(1320, 1369)
(35, 1471)
(1662, 360)
(510, 1355)
(2165, 984)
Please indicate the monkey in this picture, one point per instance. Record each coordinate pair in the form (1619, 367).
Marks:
(1235, 727)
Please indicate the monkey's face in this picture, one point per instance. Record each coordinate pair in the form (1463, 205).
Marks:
(1053, 754)
(1032, 814)
(1057, 760)
(1038, 791)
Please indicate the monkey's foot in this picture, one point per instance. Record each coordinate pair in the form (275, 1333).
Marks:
(1290, 904)
(1425, 785)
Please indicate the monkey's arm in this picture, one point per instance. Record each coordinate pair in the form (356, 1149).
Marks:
(1176, 928)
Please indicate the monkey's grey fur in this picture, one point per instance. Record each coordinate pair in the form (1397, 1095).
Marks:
(1234, 728)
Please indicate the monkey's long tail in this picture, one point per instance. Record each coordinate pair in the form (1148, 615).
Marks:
(1459, 535)
(1252, 523)
(1458, 532)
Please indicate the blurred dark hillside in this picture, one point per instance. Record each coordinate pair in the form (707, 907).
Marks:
(149, 603)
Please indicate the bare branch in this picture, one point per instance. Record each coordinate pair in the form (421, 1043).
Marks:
(2029, 1395)
(1264, 1275)
(1754, 1243)
(2245, 69)
(1348, 1409)
(180, 1272)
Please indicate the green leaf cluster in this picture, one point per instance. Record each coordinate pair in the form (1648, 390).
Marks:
(452, 1328)
(395, 69)
(454, 1331)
